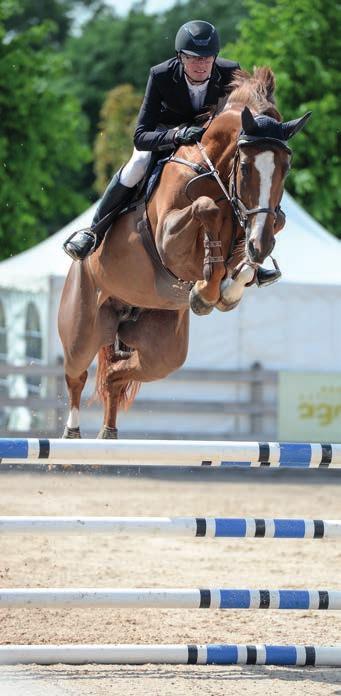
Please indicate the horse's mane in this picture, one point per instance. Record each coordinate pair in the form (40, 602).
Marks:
(255, 90)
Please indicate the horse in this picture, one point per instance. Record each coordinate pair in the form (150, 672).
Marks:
(196, 243)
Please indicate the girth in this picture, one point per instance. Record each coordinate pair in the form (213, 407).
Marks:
(168, 285)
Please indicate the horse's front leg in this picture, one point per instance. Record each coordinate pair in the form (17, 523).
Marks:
(206, 293)
(189, 243)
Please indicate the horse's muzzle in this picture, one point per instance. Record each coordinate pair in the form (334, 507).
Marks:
(257, 252)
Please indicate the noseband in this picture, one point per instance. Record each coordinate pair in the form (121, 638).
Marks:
(241, 211)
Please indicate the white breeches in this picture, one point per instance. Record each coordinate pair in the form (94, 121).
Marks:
(136, 168)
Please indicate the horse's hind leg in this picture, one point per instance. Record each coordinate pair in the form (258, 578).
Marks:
(75, 386)
(113, 394)
(158, 341)
(84, 327)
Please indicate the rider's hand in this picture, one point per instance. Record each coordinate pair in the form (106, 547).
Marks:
(188, 135)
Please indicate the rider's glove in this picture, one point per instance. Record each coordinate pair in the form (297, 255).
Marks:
(188, 135)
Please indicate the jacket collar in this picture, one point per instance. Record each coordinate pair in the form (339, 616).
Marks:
(213, 88)
(178, 71)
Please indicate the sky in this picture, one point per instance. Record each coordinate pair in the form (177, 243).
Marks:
(123, 6)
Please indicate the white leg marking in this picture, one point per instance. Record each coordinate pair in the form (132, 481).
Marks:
(73, 419)
(232, 290)
(265, 164)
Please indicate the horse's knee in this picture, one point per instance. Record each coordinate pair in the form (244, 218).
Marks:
(76, 381)
(75, 366)
(205, 207)
(208, 213)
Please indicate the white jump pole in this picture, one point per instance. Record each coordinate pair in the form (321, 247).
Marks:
(218, 654)
(173, 452)
(197, 527)
(212, 598)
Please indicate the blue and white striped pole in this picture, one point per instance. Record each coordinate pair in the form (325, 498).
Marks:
(197, 527)
(144, 598)
(171, 452)
(214, 654)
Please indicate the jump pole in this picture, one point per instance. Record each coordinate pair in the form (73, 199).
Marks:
(214, 654)
(170, 452)
(195, 527)
(144, 598)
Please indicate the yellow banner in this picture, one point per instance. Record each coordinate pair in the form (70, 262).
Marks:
(309, 406)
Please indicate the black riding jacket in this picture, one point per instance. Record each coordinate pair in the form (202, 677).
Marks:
(167, 103)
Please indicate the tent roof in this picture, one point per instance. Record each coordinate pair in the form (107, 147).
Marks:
(305, 251)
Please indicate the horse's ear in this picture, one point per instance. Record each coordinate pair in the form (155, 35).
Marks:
(248, 122)
(290, 128)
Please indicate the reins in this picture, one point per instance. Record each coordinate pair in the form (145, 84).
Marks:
(239, 208)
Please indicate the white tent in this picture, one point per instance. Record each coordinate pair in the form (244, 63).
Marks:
(293, 324)
(307, 253)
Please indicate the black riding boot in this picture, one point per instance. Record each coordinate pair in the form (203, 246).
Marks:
(84, 242)
(267, 276)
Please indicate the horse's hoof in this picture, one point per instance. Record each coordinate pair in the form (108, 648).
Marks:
(224, 306)
(198, 305)
(71, 433)
(107, 433)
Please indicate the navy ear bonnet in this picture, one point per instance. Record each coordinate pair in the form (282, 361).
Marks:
(266, 128)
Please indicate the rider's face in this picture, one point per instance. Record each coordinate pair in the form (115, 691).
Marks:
(197, 68)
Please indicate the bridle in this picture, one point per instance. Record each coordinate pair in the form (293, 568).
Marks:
(241, 213)
(240, 210)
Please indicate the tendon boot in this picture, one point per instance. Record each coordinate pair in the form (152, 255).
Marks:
(84, 242)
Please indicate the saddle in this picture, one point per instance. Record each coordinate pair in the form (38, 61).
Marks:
(145, 188)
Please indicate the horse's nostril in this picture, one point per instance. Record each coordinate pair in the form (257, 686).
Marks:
(253, 252)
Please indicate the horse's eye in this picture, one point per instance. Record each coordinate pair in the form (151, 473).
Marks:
(244, 167)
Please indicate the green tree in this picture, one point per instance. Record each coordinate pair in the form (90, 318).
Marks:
(225, 16)
(42, 139)
(30, 13)
(113, 145)
(113, 50)
(300, 41)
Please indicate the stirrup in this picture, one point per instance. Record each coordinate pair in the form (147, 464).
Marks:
(90, 244)
(266, 276)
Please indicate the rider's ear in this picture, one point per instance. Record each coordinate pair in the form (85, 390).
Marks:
(290, 128)
(248, 122)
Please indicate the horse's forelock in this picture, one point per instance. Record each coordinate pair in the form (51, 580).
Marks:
(255, 90)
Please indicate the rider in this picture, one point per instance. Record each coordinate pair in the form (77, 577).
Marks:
(177, 91)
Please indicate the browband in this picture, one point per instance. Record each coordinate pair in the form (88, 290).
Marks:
(254, 139)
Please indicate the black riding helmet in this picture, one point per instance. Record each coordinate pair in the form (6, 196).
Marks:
(197, 38)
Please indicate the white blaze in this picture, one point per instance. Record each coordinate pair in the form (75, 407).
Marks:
(265, 165)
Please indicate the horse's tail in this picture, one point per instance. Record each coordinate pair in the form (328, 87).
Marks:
(108, 355)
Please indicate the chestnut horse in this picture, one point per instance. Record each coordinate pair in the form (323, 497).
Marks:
(210, 221)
